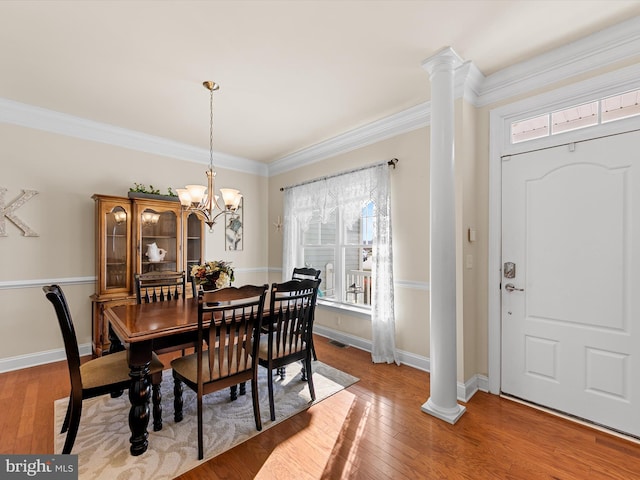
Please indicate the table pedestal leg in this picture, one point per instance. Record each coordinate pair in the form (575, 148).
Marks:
(139, 413)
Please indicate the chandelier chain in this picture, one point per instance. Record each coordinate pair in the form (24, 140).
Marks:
(211, 130)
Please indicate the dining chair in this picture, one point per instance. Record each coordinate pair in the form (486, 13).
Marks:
(160, 286)
(300, 273)
(229, 322)
(233, 390)
(99, 376)
(290, 331)
(164, 286)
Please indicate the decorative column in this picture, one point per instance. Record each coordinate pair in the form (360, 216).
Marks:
(443, 354)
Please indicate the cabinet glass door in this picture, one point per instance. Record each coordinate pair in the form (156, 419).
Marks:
(159, 241)
(116, 247)
(194, 242)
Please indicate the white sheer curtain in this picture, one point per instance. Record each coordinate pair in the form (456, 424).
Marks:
(349, 193)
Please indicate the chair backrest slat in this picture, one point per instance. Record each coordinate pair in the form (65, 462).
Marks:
(160, 286)
(234, 316)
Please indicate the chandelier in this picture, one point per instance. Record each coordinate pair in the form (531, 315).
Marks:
(201, 199)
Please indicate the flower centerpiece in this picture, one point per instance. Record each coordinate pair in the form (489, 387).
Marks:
(213, 275)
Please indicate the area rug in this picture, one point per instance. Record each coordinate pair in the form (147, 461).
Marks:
(102, 444)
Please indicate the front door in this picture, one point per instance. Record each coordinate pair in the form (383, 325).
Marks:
(571, 279)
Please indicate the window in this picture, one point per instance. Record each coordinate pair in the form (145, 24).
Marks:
(343, 253)
(341, 225)
(529, 129)
(620, 106)
(574, 118)
(585, 115)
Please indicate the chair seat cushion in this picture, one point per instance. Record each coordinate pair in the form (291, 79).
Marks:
(111, 368)
(187, 366)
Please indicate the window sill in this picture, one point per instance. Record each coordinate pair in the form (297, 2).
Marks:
(359, 311)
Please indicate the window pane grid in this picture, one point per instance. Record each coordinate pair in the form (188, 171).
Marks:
(529, 129)
(343, 255)
(621, 106)
(573, 118)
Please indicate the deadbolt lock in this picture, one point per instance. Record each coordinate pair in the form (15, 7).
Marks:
(509, 270)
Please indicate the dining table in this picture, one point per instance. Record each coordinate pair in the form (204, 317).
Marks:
(144, 328)
(147, 327)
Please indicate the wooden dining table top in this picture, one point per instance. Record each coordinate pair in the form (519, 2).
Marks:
(146, 321)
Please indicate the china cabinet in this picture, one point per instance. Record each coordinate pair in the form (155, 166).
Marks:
(194, 236)
(138, 235)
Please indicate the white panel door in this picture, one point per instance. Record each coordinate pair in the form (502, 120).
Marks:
(570, 324)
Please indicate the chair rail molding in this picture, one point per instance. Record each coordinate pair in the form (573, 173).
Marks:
(41, 282)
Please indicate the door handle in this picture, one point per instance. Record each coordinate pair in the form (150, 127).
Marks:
(510, 287)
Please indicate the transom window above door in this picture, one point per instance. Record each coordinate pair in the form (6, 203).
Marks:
(604, 110)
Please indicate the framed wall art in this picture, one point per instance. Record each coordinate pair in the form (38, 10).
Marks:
(233, 230)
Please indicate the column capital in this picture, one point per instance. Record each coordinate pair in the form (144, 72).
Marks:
(444, 56)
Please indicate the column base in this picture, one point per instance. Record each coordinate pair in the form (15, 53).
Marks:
(449, 415)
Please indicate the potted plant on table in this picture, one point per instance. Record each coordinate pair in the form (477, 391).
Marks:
(213, 275)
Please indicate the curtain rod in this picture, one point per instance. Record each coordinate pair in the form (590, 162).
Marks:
(391, 163)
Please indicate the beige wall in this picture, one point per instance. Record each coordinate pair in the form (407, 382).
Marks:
(469, 264)
(66, 171)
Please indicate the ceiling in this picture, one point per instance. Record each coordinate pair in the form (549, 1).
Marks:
(292, 73)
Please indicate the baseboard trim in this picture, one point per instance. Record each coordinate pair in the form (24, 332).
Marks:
(464, 390)
(39, 358)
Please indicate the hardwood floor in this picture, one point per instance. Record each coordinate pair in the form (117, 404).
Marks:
(372, 430)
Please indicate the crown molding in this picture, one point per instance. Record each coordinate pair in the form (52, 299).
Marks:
(51, 121)
(410, 119)
(468, 80)
(614, 44)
